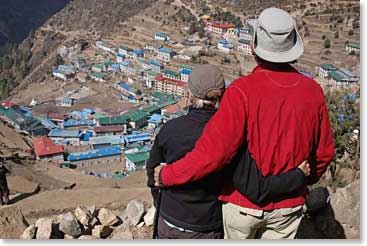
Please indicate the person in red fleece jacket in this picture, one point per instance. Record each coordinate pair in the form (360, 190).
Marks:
(283, 116)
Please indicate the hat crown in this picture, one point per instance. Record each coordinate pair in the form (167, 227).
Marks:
(275, 20)
(205, 78)
(276, 38)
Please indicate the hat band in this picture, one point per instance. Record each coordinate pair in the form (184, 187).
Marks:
(275, 42)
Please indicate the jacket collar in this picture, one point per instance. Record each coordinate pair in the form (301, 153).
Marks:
(201, 115)
(274, 68)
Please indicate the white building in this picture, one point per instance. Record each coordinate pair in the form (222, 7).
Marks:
(244, 45)
(120, 58)
(166, 54)
(185, 73)
(225, 46)
(352, 47)
(169, 86)
(59, 74)
(161, 36)
(105, 47)
(325, 69)
(219, 28)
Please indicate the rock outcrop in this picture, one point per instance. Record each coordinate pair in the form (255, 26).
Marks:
(338, 220)
(91, 223)
(12, 222)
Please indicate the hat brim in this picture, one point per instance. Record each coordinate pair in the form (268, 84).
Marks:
(280, 57)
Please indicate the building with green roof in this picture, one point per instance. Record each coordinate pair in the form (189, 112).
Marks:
(324, 70)
(171, 74)
(152, 109)
(137, 160)
(244, 41)
(339, 78)
(11, 116)
(185, 66)
(99, 76)
(352, 46)
(98, 68)
(135, 118)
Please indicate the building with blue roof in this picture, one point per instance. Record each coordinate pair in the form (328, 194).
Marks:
(112, 153)
(78, 123)
(155, 120)
(184, 74)
(66, 69)
(47, 123)
(166, 54)
(120, 58)
(60, 74)
(66, 102)
(156, 66)
(141, 137)
(66, 137)
(224, 45)
(138, 53)
(160, 36)
(89, 111)
(106, 141)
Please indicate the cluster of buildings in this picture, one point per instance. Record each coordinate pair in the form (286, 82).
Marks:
(337, 77)
(232, 37)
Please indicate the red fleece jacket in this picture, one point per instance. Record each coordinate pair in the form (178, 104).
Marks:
(284, 117)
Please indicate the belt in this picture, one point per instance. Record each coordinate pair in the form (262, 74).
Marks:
(176, 227)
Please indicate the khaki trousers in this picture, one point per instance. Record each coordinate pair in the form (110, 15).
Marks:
(247, 223)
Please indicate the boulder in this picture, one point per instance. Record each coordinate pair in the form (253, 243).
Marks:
(44, 228)
(135, 211)
(107, 217)
(122, 233)
(149, 217)
(87, 237)
(68, 224)
(101, 231)
(29, 233)
(68, 237)
(94, 222)
(346, 207)
(140, 225)
(12, 222)
(92, 210)
(346, 175)
(83, 215)
(340, 219)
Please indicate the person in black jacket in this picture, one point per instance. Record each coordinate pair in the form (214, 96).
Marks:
(4, 190)
(192, 210)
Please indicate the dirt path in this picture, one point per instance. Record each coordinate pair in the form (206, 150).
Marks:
(64, 200)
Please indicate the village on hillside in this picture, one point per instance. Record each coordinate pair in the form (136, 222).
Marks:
(111, 136)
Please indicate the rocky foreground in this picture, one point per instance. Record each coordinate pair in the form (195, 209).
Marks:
(135, 222)
(340, 219)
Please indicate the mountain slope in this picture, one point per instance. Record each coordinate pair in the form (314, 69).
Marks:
(19, 17)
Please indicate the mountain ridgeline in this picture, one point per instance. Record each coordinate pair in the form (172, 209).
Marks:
(75, 20)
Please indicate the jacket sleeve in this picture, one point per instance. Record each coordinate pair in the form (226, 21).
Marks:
(274, 187)
(249, 181)
(219, 142)
(156, 157)
(325, 151)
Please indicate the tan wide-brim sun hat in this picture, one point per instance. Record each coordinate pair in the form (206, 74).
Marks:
(276, 38)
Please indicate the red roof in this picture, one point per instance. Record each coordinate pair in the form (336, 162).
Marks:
(223, 26)
(172, 81)
(172, 108)
(44, 146)
(7, 104)
(57, 116)
(104, 129)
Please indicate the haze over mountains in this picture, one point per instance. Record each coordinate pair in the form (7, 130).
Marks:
(18, 18)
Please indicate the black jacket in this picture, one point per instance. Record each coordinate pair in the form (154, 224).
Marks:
(194, 206)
